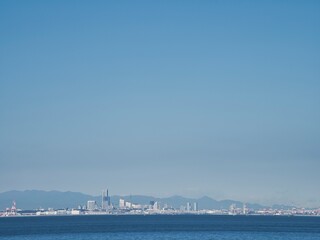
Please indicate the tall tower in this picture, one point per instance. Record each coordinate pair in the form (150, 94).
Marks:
(108, 199)
(244, 209)
(122, 203)
(104, 200)
(14, 208)
(195, 206)
(188, 207)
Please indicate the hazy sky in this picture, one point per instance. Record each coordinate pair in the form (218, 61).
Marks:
(217, 98)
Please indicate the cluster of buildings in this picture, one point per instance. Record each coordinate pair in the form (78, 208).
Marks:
(106, 207)
(155, 207)
(105, 203)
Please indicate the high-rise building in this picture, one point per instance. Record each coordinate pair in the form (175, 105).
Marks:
(122, 203)
(128, 204)
(195, 207)
(91, 205)
(151, 204)
(232, 209)
(188, 207)
(105, 200)
(156, 206)
(244, 209)
(108, 199)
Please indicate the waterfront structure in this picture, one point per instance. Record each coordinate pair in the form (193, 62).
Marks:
(134, 208)
(232, 209)
(105, 200)
(128, 204)
(121, 203)
(156, 206)
(195, 206)
(188, 207)
(151, 204)
(244, 209)
(75, 212)
(153, 207)
(91, 205)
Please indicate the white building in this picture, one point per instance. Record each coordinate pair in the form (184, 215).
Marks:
(136, 206)
(128, 204)
(195, 207)
(156, 206)
(91, 205)
(75, 212)
(188, 207)
(245, 210)
(122, 203)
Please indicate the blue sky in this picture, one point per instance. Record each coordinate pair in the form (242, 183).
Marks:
(217, 98)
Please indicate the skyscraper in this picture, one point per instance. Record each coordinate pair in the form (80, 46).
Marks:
(108, 199)
(188, 207)
(244, 209)
(195, 206)
(121, 203)
(103, 200)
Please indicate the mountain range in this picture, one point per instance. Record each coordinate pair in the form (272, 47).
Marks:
(35, 199)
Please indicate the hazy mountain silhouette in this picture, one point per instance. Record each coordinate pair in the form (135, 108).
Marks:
(34, 199)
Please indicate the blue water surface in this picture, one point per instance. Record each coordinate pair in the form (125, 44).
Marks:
(160, 227)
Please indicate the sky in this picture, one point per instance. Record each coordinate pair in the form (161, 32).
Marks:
(191, 98)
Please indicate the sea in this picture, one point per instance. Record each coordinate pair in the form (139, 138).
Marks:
(171, 227)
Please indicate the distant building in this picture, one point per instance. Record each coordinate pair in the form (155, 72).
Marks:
(75, 212)
(151, 204)
(91, 205)
(122, 203)
(195, 207)
(156, 206)
(188, 207)
(232, 209)
(136, 206)
(128, 204)
(105, 200)
(244, 209)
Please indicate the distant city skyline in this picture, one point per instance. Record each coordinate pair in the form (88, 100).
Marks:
(34, 199)
(161, 98)
(54, 203)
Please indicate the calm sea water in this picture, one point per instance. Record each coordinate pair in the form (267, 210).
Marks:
(160, 227)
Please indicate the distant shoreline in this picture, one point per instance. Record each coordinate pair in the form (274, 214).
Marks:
(115, 215)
